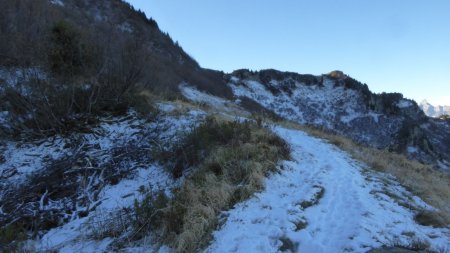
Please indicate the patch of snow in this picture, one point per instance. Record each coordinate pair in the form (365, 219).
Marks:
(16, 78)
(355, 213)
(126, 27)
(195, 95)
(181, 60)
(444, 165)
(115, 132)
(403, 103)
(234, 79)
(3, 118)
(75, 236)
(351, 115)
(17, 161)
(166, 107)
(57, 2)
(99, 16)
(375, 116)
(412, 149)
(24, 159)
(86, 87)
(153, 179)
(174, 126)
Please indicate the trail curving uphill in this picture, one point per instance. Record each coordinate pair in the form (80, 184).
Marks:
(323, 201)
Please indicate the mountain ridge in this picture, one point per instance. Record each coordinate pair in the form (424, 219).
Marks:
(434, 111)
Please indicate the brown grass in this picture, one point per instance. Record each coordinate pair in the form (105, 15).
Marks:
(431, 185)
(228, 167)
(227, 176)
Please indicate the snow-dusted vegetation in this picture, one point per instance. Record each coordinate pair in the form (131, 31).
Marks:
(324, 201)
(113, 139)
(69, 189)
(318, 200)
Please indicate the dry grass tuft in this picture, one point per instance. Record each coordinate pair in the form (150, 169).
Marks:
(287, 245)
(430, 218)
(230, 161)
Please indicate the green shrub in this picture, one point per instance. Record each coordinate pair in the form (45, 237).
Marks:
(148, 213)
(11, 237)
(287, 245)
(67, 53)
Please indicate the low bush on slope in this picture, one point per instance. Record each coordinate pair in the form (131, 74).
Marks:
(229, 161)
(74, 88)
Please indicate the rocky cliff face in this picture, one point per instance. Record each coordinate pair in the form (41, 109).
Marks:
(345, 106)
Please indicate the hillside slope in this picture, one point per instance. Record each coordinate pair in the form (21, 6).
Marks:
(113, 139)
(345, 106)
(119, 51)
(113, 40)
(323, 201)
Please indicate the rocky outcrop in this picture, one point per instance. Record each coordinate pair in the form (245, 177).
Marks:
(343, 105)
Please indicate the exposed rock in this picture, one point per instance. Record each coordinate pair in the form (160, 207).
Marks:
(345, 106)
(337, 74)
(393, 250)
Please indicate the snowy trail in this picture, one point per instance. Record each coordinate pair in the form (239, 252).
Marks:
(345, 208)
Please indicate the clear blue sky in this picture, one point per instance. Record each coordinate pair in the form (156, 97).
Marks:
(392, 45)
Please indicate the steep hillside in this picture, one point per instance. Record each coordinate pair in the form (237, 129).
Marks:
(115, 52)
(345, 106)
(181, 180)
(113, 139)
(308, 208)
(64, 62)
(110, 40)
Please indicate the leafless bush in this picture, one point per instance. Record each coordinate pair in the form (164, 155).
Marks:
(66, 188)
(112, 225)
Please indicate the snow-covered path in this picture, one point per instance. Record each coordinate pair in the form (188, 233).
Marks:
(323, 201)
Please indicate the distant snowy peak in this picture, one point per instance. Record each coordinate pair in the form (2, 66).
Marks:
(434, 111)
